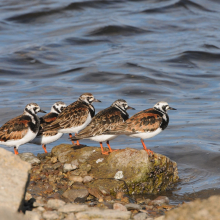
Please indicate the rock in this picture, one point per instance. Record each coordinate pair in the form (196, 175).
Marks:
(140, 216)
(160, 200)
(119, 207)
(207, 209)
(51, 215)
(87, 179)
(68, 167)
(132, 206)
(104, 191)
(55, 203)
(9, 214)
(70, 216)
(133, 168)
(31, 215)
(14, 176)
(29, 157)
(73, 194)
(78, 179)
(73, 208)
(106, 214)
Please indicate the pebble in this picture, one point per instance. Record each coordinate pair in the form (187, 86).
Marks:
(119, 175)
(55, 203)
(99, 160)
(132, 206)
(160, 218)
(50, 215)
(107, 214)
(140, 216)
(73, 208)
(53, 159)
(160, 200)
(69, 167)
(120, 207)
(78, 179)
(72, 194)
(119, 195)
(87, 179)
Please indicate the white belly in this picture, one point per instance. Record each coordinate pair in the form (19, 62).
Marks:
(46, 139)
(16, 143)
(103, 138)
(145, 135)
(78, 128)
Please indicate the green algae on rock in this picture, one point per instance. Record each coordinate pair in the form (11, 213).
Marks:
(123, 170)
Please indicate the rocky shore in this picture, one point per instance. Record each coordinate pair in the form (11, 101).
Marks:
(78, 182)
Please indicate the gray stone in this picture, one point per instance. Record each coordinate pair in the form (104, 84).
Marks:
(31, 215)
(68, 167)
(14, 177)
(73, 208)
(29, 157)
(51, 215)
(140, 216)
(104, 214)
(132, 206)
(87, 179)
(55, 203)
(119, 207)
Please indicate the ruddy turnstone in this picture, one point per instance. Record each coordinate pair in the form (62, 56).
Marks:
(145, 124)
(75, 116)
(46, 137)
(106, 119)
(21, 129)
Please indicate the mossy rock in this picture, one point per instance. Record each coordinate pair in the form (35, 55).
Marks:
(140, 173)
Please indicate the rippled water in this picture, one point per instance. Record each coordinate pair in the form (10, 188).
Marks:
(142, 51)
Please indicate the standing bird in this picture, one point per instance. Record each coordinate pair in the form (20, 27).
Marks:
(145, 124)
(46, 137)
(106, 119)
(21, 129)
(75, 116)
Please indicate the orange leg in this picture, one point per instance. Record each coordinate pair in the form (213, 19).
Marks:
(77, 142)
(110, 149)
(145, 148)
(70, 135)
(103, 152)
(15, 150)
(44, 147)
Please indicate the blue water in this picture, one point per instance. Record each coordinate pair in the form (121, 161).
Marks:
(141, 51)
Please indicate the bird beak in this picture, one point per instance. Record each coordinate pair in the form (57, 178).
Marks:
(129, 107)
(96, 100)
(42, 111)
(170, 108)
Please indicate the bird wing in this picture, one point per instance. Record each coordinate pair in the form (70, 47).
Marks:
(73, 115)
(145, 121)
(15, 128)
(107, 119)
